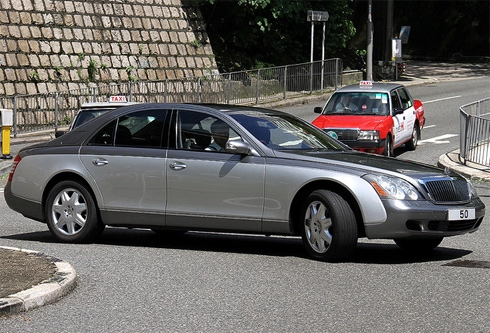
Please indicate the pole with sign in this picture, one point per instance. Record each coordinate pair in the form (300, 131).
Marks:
(317, 16)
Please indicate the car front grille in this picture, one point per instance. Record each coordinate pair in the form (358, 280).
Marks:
(448, 190)
(344, 134)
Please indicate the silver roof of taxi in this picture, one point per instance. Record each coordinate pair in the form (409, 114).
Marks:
(376, 87)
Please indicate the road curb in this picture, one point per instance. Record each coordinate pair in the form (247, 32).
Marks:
(472, 171)
(46, 292)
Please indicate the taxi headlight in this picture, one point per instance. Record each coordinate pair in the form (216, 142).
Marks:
(368, 135)
(393, 187)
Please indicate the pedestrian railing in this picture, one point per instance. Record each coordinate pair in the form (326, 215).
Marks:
(474, 145)
(57, 109)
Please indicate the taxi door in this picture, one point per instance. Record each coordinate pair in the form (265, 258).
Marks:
(403, 116)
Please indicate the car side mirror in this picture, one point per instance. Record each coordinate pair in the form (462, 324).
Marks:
(318, 109)
(57, 134)
(237, 147)
(398, 111)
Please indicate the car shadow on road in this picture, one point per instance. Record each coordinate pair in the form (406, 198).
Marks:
(366, 253)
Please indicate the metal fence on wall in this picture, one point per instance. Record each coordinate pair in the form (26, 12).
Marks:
(474, 145)
(53, 110)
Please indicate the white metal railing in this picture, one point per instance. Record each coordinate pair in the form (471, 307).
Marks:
(474, 144)
(52, 110)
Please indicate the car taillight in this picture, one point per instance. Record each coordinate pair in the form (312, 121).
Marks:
(14, 165)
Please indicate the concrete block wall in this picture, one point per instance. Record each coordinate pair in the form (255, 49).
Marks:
(50, 45)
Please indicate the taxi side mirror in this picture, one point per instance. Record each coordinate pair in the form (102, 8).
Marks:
(318, 109)
(398, 111)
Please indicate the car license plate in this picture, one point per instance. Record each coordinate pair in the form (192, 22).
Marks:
(461, 214)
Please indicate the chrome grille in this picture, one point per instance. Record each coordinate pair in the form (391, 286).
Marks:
(344, 134)
(448, 190)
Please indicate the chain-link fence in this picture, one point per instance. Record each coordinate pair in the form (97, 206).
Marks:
(52, 110)
(474, 145)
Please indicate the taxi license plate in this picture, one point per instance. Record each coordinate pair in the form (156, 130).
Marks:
(461, 214)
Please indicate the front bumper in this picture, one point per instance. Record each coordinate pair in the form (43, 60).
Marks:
(375, 146)
(419, 219)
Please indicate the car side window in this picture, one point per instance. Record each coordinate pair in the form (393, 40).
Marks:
(200, 131)
(404, 98)
(395, 102)
(137, 129)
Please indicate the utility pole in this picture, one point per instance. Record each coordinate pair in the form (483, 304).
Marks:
(389, 29)
(369, 51)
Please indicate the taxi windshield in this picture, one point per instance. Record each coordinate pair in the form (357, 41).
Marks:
(358, 103)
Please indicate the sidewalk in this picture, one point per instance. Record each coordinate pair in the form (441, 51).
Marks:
(61, 279)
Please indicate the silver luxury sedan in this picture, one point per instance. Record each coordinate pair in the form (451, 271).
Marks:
(180, 167)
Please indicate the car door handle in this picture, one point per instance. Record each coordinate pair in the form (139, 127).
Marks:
(177, 166)
(99, 161)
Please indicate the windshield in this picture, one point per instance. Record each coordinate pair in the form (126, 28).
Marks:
(358, 103)
(284, 132)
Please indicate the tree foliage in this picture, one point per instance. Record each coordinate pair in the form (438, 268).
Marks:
(249, 34)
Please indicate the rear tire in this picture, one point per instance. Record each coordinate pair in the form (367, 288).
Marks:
(71, 213)
(328, 229)
(418, 245)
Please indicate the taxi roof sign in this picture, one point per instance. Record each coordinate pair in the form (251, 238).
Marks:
(366, 84)
(117, 99)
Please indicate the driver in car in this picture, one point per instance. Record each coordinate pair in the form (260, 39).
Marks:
(220, 132)
(345, 104)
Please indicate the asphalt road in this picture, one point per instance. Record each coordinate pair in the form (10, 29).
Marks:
(133, 281)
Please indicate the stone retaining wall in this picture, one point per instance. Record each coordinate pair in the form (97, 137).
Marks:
(50, 45)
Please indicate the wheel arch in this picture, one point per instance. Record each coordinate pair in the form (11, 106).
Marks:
(295, 208)
(62, 177)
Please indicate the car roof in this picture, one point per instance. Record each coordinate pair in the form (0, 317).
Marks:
(103, 105)
(74, 136)
(376, 87)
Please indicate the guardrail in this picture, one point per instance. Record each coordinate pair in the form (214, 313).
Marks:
(53, 110)
(474, 144)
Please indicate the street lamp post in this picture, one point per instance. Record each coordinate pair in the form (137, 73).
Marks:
(369, 51)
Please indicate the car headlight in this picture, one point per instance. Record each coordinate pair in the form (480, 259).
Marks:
(393, 187)
(471, 189)
(368, 135)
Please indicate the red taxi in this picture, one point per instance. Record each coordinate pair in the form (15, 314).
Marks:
(373, 117)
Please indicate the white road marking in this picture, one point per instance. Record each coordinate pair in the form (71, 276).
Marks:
(438, 139)
(429, 126)
(441, 99)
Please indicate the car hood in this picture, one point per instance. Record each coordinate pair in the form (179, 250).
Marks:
(349, 121)
(363, 163)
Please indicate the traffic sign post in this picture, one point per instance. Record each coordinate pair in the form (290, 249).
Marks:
(317, 16)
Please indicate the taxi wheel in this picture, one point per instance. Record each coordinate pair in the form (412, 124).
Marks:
(419, 245)
(71, 213)
(328, 229)
(412, 143)
(388, 147)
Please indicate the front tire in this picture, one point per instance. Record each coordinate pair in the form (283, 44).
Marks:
(412, 143)
(328, 229)
(389, 151)
(71, 213)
